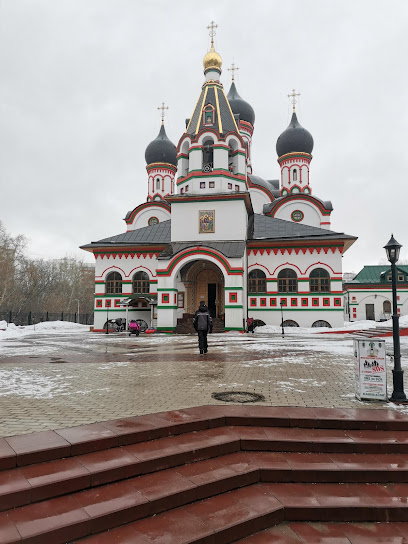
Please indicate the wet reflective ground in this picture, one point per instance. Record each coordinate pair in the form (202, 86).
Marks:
(50, 381)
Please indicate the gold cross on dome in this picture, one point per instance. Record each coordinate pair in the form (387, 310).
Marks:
(163, 109)
(233, 70)
(293, 95)
(211, 27)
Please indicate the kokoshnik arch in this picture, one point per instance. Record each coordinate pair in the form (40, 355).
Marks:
(212, 230)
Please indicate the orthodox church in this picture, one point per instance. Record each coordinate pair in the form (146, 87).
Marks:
(212, 230)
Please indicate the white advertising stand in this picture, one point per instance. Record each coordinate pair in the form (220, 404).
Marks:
(370, 369)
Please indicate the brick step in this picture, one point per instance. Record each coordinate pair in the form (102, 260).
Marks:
(331, 533)
(25, 485)
(28, 449)
(154, 464)
(236, 514)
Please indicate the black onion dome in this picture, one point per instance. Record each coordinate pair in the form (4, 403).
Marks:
(294, 139)
(161, 150)
(240, 106)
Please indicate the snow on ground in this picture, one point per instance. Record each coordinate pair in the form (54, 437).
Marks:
(11, 331)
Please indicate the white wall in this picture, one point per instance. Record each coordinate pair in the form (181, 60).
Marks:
(142, 218)
(231, 220)
(312, 215)
(258, 199)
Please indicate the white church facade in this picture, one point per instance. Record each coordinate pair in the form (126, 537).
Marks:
(212, 230)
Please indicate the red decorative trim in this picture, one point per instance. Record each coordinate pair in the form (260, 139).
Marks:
(299, 196)
(233, 297)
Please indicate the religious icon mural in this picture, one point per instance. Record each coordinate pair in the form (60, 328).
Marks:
(206, 221)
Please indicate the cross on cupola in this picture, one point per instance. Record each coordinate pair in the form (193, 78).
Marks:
(163, 109)
(233, 69)
(211, 27)
(293, 96)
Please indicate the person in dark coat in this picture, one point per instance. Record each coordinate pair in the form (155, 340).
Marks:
(203, 324)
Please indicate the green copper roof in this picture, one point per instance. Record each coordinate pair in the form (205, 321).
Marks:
(372, 274)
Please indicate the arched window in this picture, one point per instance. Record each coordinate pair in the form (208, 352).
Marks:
(141, 282)
(287, 281)
(208, 155)
(157, 183)
(233, 157)
(208, 115)
(387, 307)
(289, 323)
(113, 283)
(257, 281)
(319, 281)
(184, 160)
(321, 323)
(295, 175)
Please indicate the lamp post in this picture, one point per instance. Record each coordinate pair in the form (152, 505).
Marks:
(393, 250)
(107, 320)
(283, 331)
(77, 309)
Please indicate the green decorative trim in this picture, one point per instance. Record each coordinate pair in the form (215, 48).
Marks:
(167, 307)
(233, 306)
(113, 309)
(233, 288)
(297, 294)
(119, 295)
(296, 309)
(166, 329)
(234, 328)
(169, 289)
(201, 251)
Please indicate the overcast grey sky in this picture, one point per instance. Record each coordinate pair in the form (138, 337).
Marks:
(81, 80)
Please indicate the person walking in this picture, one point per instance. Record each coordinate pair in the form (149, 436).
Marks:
(202, 323)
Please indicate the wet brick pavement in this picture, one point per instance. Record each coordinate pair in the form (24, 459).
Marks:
(67, 379)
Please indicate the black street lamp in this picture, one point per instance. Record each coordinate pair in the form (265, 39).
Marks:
(283, 330)
(393, 250)
(107, 320)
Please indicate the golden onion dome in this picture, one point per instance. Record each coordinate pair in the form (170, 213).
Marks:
(212, 60)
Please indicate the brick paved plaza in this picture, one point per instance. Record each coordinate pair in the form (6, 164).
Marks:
(67, 379)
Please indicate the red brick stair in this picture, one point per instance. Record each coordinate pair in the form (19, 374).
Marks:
(185, 325)
(212, 474)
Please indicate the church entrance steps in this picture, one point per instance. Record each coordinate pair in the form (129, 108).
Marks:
(185, 325)
(212, 474)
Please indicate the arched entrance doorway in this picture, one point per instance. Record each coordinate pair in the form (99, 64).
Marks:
(204, 281)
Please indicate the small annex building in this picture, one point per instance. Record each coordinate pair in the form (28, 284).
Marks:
(369, 294)
(212, 230)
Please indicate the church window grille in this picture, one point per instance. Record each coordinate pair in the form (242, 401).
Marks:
(287, 281)
(211, 184)
(289, 323)
(157, 183)
(237, 188)
(229, 185)
(153, 221)
(113, 283)
(202, 184)
(319, 281)
(295, 175)
(321, 323)
(257, 281)
(208, 156)
(387, 307)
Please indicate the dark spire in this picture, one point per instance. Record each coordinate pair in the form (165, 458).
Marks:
(240, 106)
